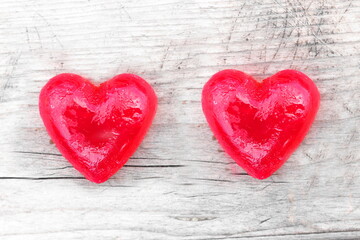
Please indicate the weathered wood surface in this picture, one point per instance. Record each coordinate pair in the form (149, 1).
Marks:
(180, 184)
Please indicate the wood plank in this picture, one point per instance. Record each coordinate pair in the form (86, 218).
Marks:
(180, 184)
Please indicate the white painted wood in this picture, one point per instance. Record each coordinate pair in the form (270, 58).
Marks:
(180, 184)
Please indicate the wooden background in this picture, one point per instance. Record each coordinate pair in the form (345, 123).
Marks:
(180, 184)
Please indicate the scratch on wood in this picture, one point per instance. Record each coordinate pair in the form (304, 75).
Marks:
(38, 35)
(233, 27)
(309, 156)
(51, 29)
(122, 7)
(283, 34)
(13, 62)
(264, 221)
(165, 56)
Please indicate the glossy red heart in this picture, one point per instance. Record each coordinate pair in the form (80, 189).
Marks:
(260, 124)
(97, 128)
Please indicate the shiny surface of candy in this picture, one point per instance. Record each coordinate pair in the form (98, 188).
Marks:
(260, 124)
(97, 128)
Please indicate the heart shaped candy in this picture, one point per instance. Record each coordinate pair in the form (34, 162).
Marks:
(97, 129)
(260, 124)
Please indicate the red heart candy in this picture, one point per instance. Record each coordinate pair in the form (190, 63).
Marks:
(97, 128)
(260, 124)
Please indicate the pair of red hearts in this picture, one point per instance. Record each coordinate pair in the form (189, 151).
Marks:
(98, 128)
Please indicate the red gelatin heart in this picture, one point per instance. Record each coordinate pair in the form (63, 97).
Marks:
(97, 128)
(260, 124)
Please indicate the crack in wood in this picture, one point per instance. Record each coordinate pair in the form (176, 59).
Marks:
(38, 153)
(288, 235)
(212, 180)
(39, 178)
(155, 166)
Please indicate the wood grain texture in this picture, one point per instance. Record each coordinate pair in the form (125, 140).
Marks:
(180, 184)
